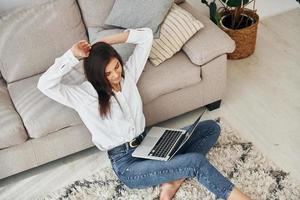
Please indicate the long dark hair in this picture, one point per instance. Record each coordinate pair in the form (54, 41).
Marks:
(100, 55)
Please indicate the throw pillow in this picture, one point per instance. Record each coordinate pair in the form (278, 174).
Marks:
(178, 27)
(139, 13)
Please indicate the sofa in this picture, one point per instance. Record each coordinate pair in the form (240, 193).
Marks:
(36, 130)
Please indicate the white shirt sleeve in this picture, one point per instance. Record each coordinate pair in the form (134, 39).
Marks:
(49, 82)
(143, 38)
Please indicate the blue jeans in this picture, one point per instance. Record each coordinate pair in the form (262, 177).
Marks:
(189, 161)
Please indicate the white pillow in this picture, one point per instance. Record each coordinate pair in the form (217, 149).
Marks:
(178, 27)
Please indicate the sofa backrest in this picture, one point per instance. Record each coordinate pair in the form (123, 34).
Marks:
(31, 38)
(94, 12)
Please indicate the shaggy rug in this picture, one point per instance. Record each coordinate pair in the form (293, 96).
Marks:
(236, 159)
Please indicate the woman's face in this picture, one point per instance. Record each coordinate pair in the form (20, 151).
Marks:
(113, 71)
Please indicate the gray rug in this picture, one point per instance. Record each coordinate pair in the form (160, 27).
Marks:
(236, 158)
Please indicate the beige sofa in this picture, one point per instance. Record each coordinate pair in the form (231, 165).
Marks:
(36, 130)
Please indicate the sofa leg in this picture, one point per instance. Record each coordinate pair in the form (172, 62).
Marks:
(214, 105)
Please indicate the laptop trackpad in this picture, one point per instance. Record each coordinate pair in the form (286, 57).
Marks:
(149, 141)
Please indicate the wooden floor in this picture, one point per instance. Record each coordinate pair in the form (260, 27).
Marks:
(262, 102)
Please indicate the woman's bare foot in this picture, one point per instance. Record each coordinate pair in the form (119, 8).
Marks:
(168, 190)
(236, 194)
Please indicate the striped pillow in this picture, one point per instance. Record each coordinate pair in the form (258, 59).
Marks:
(178, 27)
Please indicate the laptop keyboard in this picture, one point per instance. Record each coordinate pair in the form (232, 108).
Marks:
(165, 143)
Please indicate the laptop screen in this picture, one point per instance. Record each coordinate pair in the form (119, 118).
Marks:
(192, 128)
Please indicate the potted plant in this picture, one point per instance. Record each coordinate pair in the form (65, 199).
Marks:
(239, 22)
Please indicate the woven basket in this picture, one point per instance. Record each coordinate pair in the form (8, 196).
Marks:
(245, 38)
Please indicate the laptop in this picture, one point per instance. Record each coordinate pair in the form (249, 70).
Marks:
(163, 143)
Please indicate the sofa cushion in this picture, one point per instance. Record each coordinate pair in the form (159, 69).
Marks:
(40, 114)
(12, 129)
(124, 49)
(178, 27)
(31, 38)
(94, 13)
(208, 43)
(137, 14)
(173, 74)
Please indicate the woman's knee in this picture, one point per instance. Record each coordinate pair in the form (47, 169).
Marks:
(214, 127)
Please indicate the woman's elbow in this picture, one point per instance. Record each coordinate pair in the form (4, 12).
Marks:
(149, 32)
(149, 35)
(41, 85)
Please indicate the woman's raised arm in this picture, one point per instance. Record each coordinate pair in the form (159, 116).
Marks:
(50, 82)
(115, 39)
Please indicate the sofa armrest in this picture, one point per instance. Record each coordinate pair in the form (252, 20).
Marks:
(208, 43)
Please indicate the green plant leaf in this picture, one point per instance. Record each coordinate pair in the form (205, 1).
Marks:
(213, 12)
(235, 3)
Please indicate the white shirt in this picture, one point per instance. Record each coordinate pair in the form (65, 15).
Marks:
(126, 120)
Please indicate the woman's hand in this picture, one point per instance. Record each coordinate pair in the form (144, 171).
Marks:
(81, 49)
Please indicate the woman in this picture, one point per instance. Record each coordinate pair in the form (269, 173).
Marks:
(110, 106)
